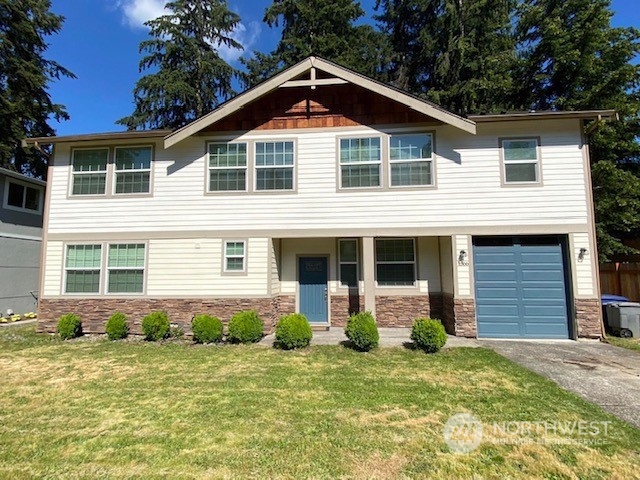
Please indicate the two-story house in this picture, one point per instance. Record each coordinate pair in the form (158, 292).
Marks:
(21, 207)
(322, 191)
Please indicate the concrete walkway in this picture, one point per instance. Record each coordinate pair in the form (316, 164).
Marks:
(21, 323)
(389, 337)
(600, 373)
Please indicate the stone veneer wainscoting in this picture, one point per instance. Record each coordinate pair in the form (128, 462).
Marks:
(589, 317)
(95, 312)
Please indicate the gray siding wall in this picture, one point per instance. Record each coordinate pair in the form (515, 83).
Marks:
(19, 272)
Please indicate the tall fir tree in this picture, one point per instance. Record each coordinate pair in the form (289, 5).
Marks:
(571, 58)
(191, 77)
(457, 53)
(326, 28)
(26, 107)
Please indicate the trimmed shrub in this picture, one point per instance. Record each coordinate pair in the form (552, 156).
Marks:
(155, 326)
(428, 334)
(117, 327)
(245, 327)
(293, 331)
(206, 329)
(69, 326)
(362, 331)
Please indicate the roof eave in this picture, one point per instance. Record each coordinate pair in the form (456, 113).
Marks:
(520, 116)
(93, 137)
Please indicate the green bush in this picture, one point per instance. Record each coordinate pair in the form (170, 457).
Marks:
(428, 334)
(362, 331)
(155, 326)
(206, 329)
(69, 326)
(245, 327)
(117, 327)
(293, 331)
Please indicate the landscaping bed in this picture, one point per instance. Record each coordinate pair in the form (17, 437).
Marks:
(151, 410)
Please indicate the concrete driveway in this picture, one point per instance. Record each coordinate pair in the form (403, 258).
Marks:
(601, 373)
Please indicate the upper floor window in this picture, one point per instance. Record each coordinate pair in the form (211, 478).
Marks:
(22, 196)
(411, 160)
(90, 171)
(395, 262)
(360, 162)
(521, 160)
(132, 169)
(274, 165)
(227, 167)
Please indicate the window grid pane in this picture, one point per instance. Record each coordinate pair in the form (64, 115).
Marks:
(520, 150)
(32, 199)
(410, 173)
(411, 147)
(90, 160)
(348, 251)
(126, 255)
(227, 180)
(274, 179)
(360, 176)
(349, 274)
(395, 250)
(16, 195)
(356, 150)
(134, 182)
(274, 154)
(235, 264)
(227, 155)
(89, 184)
(83, 281)
(84, 256)
(137, 158)
(235, 248)
(395, 274)
(126, 281)
(521, 172)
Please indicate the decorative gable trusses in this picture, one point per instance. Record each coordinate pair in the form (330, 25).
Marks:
(332, 75)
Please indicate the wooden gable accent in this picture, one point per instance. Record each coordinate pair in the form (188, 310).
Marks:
(324, 106)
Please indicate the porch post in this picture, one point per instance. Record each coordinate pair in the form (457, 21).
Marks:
(368, 274)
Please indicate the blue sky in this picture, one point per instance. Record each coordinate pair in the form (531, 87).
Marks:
(99, 43)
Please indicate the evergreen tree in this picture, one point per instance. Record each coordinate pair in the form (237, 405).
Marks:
(191, 78)
(325, 28)
(572, 59)
(25, 104)
(457, 53)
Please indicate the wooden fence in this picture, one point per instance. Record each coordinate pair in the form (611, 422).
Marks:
(621, 279)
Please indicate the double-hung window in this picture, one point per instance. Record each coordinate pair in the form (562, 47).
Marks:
(89, 168)
(411, 160)
(235, 256)
(521, 160)
(274, 164)
(132, 169)
(126, 268)
(82, 268)
(360, 162)
(22, 196)
(348, 254)
(227, 167)
(395, 262)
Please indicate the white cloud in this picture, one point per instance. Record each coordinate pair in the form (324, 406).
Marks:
(137, 12)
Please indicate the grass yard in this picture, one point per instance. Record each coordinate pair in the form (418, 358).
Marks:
(629, 343)
(95, 409)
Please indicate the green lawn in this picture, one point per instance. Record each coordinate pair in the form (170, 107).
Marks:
(95, 409)
(629, 343)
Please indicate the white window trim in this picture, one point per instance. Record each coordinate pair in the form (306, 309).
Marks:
(40, 190)
(429, 161)
(349, 164)
(135, 170)
(225, 257)
(341, 262)
(120, 269)
(535, 162)
(74, 173)
(245, 168)
(257, 167)
(415, 263)
(67, 269)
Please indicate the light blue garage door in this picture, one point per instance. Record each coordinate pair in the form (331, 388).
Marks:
(520, 287)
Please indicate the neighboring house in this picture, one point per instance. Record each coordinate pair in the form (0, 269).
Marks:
(22, 201)
(321, 191)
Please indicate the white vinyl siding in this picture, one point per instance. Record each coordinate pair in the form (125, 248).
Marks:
(360, 162)
(227, 167)
(89, 171)
(521, 161)
(132, 169)
(274, 165)
(411, 160)
(583, 267)
(463, 269)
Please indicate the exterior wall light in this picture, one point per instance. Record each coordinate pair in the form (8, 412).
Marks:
(462, 257)
(582, 253)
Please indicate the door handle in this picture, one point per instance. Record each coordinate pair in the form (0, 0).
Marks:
(325, 293)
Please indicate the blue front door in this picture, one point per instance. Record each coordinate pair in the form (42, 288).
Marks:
(312, 276)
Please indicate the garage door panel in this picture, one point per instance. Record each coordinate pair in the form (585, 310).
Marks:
(520, 289)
